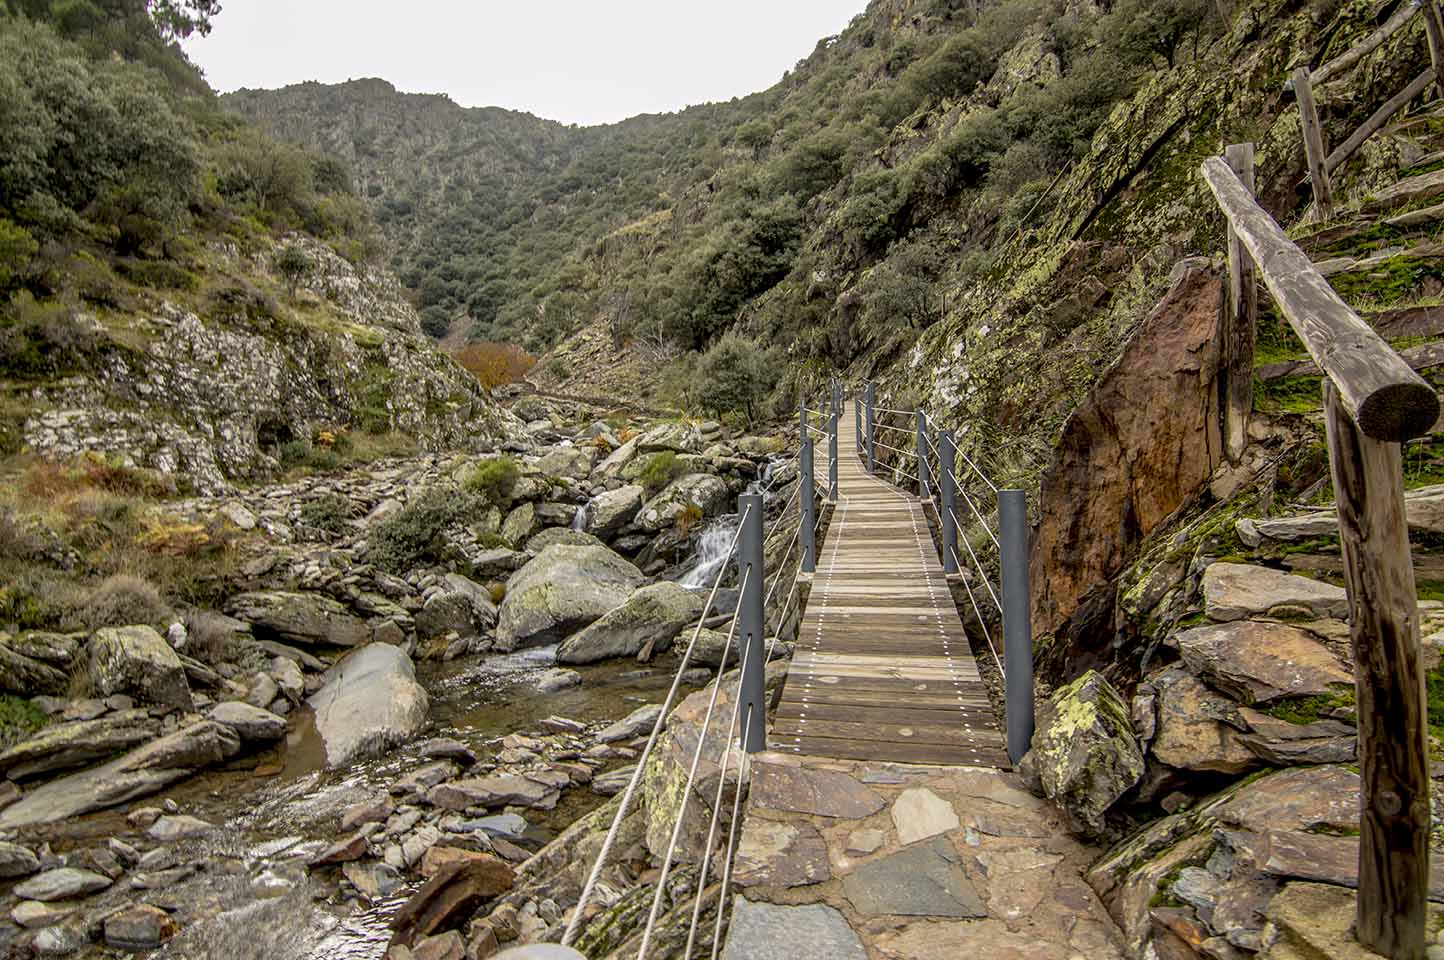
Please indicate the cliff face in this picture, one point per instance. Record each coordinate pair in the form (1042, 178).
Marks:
(211, 389)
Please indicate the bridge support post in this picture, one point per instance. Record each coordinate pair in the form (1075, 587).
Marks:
(868, 423)
(832, 458)
(924, 487)
(808, 522)
(1017, 620)
(751, 623)
(947, 514)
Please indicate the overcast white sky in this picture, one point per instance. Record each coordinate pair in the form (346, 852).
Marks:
(568, 60)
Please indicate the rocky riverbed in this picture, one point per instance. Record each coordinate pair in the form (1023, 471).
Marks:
(377, 708)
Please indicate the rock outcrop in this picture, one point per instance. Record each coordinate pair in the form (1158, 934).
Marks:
(1083, 752)
(305, 618)
(1142, 442)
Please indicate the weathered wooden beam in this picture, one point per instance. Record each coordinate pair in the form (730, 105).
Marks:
(1240, 320)
(1389, 686)
(1380, 117)
(1383, 396)
(1369, 44)
(1435, 32)
(1314, 149)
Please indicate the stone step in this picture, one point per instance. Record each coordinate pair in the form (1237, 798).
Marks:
(1335, 266)
(1421, 356)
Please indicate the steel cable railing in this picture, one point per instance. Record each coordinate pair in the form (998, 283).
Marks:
(631, 790)
(747, 631)
(691, 779)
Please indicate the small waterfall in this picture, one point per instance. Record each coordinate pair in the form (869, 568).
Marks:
(579, 519)
(712, 552)
(712, 546)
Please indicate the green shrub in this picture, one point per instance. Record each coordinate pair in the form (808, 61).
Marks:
(494, 480)
(19, 719)
(121, 601)
(659, 471)
(330, 514)
(412, 535)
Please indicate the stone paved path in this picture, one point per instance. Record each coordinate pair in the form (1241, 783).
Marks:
(867, 859)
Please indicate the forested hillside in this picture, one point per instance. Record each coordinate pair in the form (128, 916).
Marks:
(668, 226)
(178, 290)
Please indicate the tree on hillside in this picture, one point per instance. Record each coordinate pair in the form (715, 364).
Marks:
(293, 264)
(494, 364)
(734, 374)
(172, 19)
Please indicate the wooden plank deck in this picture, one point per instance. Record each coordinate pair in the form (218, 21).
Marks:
(883, 670)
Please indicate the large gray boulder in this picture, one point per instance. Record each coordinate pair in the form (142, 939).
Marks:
(678, 436)
(701, 490)
(1083, 753)
(650, 620)
(560, 591)
(305, 618)
(369, 703)
(615, 462)
(571, 462)
(612, 510)
(459, 604)
(136, 661)
(566, 536)
(251, 724)
(139, 773)
(65, 745)
(27, 676)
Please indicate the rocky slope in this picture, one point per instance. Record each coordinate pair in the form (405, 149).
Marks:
(345, 583)
(209, 392)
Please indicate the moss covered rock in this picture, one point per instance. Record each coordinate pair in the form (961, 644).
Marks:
(1083, 752)
(560, 591)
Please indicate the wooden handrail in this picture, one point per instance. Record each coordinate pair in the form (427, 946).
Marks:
(1384, 397)
(1354, 54)
(1376, 122)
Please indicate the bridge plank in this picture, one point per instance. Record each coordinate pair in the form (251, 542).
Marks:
(883, 669)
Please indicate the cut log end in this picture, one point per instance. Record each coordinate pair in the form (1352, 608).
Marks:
(1398, 412)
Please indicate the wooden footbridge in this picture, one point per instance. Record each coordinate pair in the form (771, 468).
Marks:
(882, 668)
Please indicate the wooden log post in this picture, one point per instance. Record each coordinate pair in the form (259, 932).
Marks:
(1389, 685)
(1240, 320)
(1382, 395)
(1314, 145)
(1435, 32)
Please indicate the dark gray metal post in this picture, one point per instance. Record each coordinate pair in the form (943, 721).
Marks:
(832, 458)
(809, 510)
(946, 513)
(924, 488)
(857, 424)
(868, 423)
(751, 624)
(1017, 619)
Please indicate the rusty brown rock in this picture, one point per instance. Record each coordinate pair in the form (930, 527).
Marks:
(1142, 442)
(449, 898)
